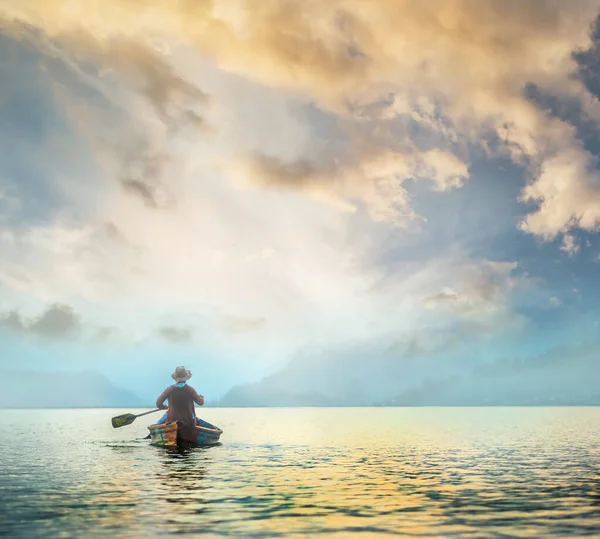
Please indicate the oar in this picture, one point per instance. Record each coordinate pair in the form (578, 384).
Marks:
(128, 419)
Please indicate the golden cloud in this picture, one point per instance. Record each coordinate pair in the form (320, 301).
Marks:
(472, 58)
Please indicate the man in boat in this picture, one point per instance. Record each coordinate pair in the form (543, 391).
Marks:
(182, 398)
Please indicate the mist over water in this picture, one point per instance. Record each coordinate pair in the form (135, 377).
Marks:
(426, 472)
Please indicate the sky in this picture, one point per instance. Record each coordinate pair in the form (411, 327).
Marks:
(226, 184)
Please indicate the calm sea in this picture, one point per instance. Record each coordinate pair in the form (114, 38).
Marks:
(423, 472)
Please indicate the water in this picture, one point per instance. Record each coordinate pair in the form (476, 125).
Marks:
(437, 472)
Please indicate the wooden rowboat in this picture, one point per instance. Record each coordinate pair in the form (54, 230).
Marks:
(172, 435)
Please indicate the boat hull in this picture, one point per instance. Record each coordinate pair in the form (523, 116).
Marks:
(172, 435)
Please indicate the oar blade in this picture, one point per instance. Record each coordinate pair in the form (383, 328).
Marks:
(122, 420)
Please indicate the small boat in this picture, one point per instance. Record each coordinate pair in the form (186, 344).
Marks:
(172, 435)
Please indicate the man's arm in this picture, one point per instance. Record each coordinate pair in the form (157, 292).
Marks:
(160, 402)
(198, 399)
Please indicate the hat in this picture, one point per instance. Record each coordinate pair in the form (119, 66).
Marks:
(181, 374)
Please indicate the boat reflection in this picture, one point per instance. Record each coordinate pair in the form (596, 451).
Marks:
(182, 478)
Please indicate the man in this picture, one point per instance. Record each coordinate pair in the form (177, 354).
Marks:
(181, 400)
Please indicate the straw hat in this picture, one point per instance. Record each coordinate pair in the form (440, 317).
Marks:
(181, 374)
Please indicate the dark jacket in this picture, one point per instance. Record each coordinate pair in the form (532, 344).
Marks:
(181, 404)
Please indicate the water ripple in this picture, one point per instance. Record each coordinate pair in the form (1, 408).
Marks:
(420, 473)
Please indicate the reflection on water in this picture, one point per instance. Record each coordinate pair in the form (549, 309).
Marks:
(304, 472)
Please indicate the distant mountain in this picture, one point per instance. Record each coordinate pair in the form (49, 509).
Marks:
(454, 392)
(258, 395)
(62, 390)
(564, 376)
(361, 376)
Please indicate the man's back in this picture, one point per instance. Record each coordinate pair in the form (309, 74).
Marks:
(181, 403)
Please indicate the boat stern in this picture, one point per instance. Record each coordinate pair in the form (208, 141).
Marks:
(164, 435)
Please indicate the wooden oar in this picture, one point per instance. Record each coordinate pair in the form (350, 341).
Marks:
(128, 419)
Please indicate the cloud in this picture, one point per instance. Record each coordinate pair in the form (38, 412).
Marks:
(554, 302)
(175, 335)
(147, 67)
(428, 341)
(66, 262)
(58, 322)
(569, 244)
(336, 49)
(107, 334)
(140, 189)
(128, 105)
(235, 325)
(481, 299)
(566, 189)
(567, 193)
(373, 178)
(466, 61)
(136, 64)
